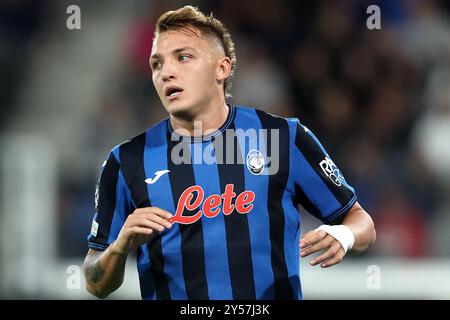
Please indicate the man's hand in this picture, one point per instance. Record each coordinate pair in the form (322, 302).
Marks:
(140, 227)
(318, 240)
(105, 270)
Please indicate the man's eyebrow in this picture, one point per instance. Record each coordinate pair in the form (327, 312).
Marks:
(183, 49)
(155, 56)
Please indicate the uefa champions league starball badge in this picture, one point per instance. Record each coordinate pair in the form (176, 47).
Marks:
(255, 162)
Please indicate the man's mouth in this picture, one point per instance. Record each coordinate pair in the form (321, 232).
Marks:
(172, 91)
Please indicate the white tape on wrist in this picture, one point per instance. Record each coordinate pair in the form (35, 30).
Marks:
(341, 233)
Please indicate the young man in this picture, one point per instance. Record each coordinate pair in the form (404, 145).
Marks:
(209, 196)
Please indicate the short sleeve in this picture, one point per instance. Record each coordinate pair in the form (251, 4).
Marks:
(112, 205)
(320, 187)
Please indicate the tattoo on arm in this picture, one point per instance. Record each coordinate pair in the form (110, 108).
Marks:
(94, 271)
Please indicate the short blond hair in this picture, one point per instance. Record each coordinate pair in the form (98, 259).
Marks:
(189, 16)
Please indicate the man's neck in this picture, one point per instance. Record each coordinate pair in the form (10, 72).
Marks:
(206, 122)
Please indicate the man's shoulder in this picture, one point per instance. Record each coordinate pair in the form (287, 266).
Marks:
(266, 117)
(136, 143)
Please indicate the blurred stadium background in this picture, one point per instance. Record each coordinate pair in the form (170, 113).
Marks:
(379, 100)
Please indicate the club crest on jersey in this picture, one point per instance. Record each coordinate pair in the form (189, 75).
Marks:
(255, 162)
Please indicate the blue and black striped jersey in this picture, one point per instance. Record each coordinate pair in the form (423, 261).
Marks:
(234, 195)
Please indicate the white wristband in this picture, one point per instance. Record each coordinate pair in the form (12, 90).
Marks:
(341, 233)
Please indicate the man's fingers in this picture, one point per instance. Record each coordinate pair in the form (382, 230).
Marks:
(330, 253)
(159, 220)
(140, 230)
(162, 213)
(154, 210)
(154, 214)
(147, 223)
(322, 244)
(312, 237)
(306, 238)
(337, 259)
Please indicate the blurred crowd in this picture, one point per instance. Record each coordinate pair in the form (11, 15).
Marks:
(19, 22)
(379, 100)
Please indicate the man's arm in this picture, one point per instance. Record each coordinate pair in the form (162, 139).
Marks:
(360, 224)
(104, 270)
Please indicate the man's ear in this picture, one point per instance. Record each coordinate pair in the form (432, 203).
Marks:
(223, 68)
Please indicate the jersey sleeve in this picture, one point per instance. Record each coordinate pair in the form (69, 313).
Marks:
(320, 186)
(112, 205)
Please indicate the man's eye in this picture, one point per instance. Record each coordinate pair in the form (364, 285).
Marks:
(156, 65)
(184, 58)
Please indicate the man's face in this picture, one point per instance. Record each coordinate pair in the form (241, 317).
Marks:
(184, 70)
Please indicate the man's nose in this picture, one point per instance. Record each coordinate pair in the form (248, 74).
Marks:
(168, 72)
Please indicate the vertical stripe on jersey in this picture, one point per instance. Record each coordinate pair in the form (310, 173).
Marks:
(277, 183)
(236, 224)
(302, 198)
(181, 177)
(292, 225)
(160, 192)
(215, 241)
(258, 218)
(107, 200)
(146, 280)
(317, 188)
(122, 208)
(132, 160)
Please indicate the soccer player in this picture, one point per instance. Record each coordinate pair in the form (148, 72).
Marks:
(208, 198)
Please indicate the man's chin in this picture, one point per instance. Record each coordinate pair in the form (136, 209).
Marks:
(179, 111)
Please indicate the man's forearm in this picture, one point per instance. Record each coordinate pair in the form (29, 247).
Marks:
(104, 271)
(361, 224)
